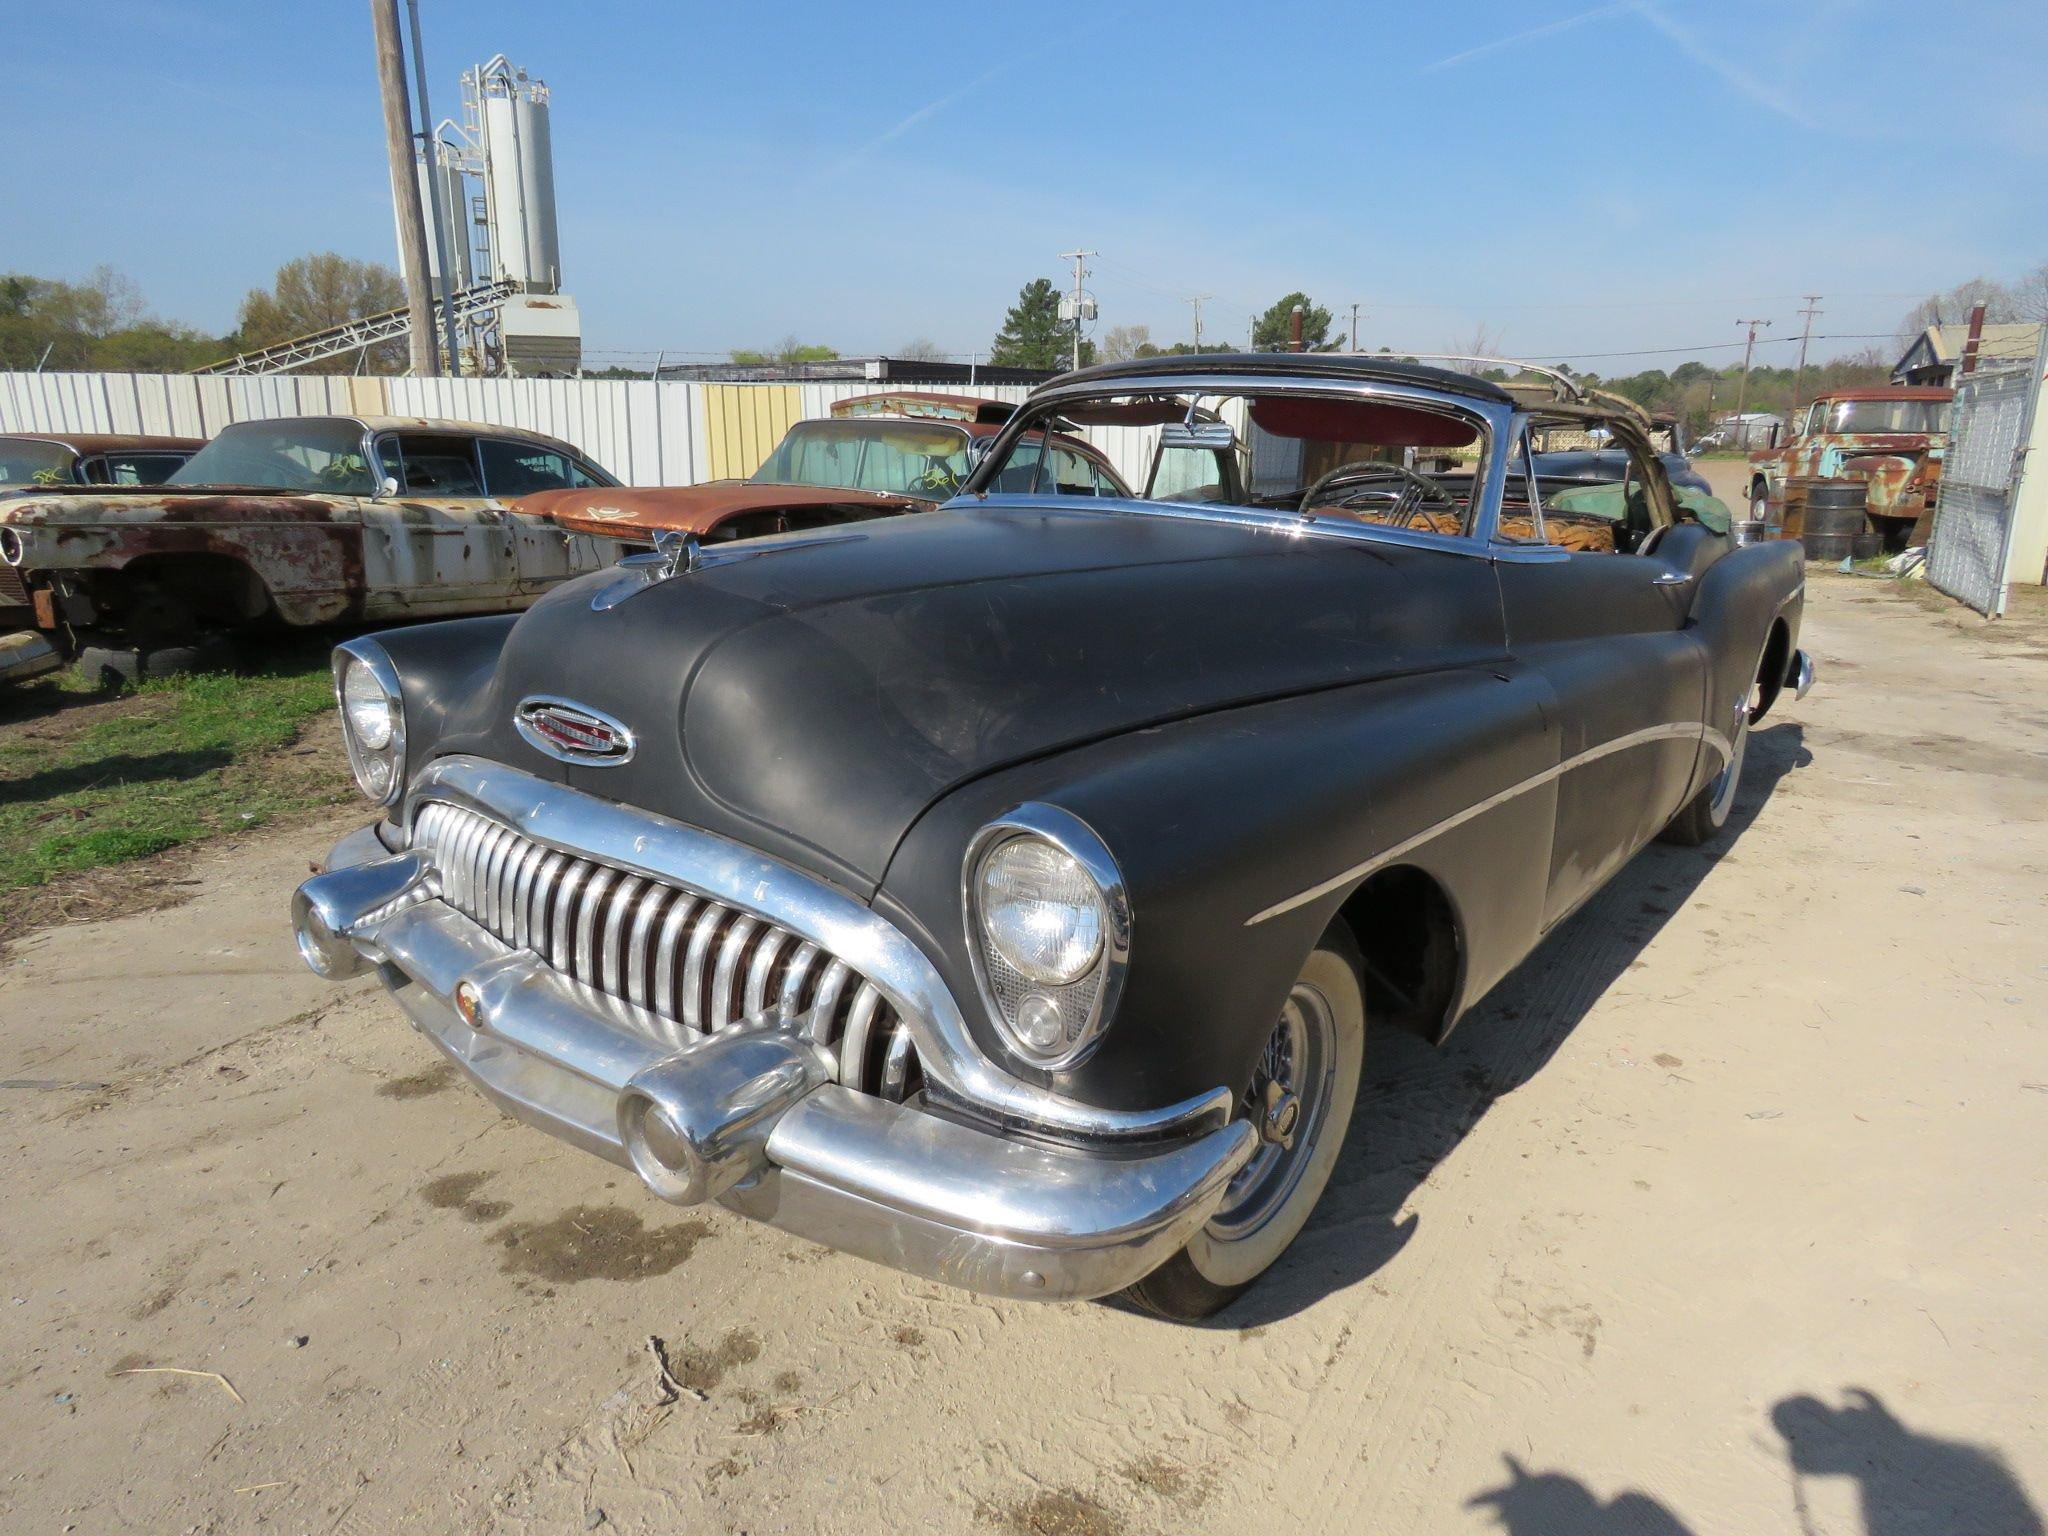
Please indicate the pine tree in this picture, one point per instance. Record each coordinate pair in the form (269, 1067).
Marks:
(1033, 335)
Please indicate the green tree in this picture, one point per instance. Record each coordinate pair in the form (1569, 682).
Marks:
(1274, 330)
(100, 323)
(1034, 335)
(311, 293)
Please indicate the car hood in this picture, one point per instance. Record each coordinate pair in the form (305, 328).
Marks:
(624, 513)
(812, 695)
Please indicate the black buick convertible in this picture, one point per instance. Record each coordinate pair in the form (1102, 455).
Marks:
(1008, 893)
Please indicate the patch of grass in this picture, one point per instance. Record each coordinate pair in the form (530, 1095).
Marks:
(87, 782)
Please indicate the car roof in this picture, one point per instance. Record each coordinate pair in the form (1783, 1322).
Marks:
(1889, 392)
(420, 424)
(1348, 366)
(108, 442)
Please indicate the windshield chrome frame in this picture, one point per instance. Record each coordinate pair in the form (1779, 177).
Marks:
(1494, 418)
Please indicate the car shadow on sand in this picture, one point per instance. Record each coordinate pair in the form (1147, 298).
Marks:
(1418, 1101)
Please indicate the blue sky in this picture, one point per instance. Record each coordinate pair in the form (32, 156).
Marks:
(1577, 179)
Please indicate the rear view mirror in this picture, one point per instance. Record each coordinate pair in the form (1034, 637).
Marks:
(1204, 434)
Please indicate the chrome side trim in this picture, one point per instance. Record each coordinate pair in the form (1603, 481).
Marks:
(1673, 730)
(752, 883)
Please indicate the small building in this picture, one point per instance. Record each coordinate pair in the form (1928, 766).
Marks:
(1752, 429)
(1935, 352)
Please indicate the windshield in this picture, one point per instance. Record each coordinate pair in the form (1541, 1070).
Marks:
(301, 453)
(901, 458)
(1864, 417)
(1405, 462)
(34, 463)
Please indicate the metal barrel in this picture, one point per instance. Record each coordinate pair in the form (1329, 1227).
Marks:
(1836, 506)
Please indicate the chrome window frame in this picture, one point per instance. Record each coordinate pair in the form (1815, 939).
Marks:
(1494, 418)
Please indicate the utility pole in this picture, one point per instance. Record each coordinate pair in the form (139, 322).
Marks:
(442, 247)
(1742, 394)
(405, 189)
(1198, 301)
(1354, 327)
(1805, 334)
(1251, 333)
(1080, 272)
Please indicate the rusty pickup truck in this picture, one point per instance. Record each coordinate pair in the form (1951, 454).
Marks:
(1891, 438)
(298, 521)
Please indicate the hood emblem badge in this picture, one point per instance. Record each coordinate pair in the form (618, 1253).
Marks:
(573, 733)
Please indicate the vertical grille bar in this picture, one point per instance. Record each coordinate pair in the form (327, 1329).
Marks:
(825, 1007)
(667, 951)
(860, 1019)
(692, 963)
(612, 932)
(729, 953)
(801, 965)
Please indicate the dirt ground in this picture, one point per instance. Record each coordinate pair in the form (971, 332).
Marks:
(1723, 1215)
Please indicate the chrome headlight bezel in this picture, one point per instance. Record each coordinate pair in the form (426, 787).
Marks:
(370, 765)
(1091, 998)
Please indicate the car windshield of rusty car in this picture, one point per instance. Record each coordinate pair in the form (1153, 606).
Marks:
(1401, 459)
(1864, 418)
(301, 453)
(903, 458)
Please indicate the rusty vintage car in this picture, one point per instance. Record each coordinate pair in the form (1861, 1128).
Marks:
(39, 460)
(300, 520)
(1891, 438)
(877, 455)
(1016, 893)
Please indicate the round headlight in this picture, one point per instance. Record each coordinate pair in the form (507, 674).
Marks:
(1042, 913)
(366, 706)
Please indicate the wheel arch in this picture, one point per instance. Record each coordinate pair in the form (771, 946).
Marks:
(1411, 940)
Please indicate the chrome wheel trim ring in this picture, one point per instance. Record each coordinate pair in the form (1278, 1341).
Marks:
(1322, 1028)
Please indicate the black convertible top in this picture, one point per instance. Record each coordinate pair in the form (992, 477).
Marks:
(1321, 365)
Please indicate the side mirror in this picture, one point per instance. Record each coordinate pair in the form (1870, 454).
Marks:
(389, 486)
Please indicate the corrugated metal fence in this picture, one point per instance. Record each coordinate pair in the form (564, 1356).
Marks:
(643, 432)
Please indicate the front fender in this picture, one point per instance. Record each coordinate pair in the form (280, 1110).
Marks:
(1735, 606)
(1239, 835)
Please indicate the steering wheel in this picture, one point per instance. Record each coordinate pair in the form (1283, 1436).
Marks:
(1406, 505)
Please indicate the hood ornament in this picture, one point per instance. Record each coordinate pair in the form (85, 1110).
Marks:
(573, 733)
(680, 552)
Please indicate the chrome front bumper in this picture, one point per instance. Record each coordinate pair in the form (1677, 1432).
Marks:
(749, 1118)
(25, 654)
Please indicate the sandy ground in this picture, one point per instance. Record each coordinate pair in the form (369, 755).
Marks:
(1724, 1214)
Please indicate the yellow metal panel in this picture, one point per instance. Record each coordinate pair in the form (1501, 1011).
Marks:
(368, 396)
(744, 422)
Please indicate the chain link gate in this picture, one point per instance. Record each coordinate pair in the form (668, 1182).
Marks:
(1980, 481)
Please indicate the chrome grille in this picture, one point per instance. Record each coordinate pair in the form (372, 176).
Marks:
(12, 592)
(696, 964)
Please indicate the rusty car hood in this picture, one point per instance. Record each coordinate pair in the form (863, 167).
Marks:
(813, 699)
(624, 512)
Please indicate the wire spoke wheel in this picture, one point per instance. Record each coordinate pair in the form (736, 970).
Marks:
(1300, 1061)
(1300, 1097)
